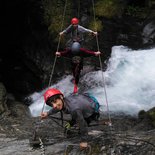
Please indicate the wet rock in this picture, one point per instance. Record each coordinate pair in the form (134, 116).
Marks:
(148, 33)
(16, 146)
(21, 135)
(3, 99)
(147, 117)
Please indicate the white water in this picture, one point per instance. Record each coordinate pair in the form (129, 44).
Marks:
(130, 83)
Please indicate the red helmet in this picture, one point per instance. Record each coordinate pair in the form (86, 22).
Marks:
(51, 92)
(74, 21)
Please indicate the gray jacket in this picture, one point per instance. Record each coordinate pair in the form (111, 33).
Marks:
(76, 34)
(81, 107)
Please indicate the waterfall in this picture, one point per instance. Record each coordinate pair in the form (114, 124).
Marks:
(129, 83)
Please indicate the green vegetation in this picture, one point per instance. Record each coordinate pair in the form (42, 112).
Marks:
(136, 11)
(96, 149)
(149, 115)
(96, 25)
(109, 8)
(112, 8)
(141, 114)
(53, 15)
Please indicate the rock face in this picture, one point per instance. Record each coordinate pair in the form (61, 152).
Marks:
(149, 32)
(3, 98)
(23, 135)
(148, 118)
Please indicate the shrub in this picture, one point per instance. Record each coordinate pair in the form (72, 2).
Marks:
(53, 15)
(135, 11)
(96, 25)
(109, 8)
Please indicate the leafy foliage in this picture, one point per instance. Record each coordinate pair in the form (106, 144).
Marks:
(135, 11)
(150, 115)
(53, 15)
(109, 8)
(96, 25)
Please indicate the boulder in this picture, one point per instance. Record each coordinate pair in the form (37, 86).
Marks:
(147, 117)
(3, 98)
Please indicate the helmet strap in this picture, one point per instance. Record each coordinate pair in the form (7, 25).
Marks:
(62, 120)
(61, 112)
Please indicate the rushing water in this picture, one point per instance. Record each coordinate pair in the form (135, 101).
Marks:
(129, 83)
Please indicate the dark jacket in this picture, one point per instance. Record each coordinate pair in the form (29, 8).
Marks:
(83, 52)
(81, 107)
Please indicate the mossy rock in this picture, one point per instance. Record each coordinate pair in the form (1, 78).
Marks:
(54, 16)
(136, 11)
(149, 115)
(3, 98)
(142, 114)
(96, 25)
(109, 8)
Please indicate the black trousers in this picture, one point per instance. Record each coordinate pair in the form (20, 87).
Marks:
(76, 69)
(94, 117)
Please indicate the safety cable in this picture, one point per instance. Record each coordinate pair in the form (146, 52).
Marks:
(78, 9)
(78, 16)
(51, 75)
(103, 77)
(98, 48)
(55, 59)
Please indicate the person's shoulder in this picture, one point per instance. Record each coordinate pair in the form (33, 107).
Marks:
(80, 26)
(84, 29)
(77, 95)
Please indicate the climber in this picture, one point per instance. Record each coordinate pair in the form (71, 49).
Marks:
(83, 109)
(77, 54)
(76, 32)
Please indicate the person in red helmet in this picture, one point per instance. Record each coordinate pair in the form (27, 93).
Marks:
(83, 109)
(76, 32)
(74, 21)
(77, 54)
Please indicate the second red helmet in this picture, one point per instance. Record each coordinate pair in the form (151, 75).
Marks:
(74, 21)
(51, 92)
